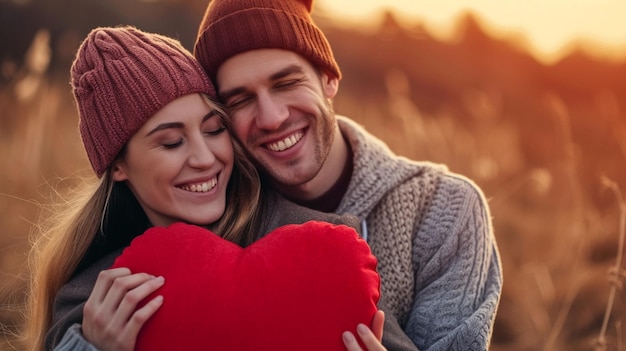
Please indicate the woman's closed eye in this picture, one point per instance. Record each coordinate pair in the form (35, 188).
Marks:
(173, 145)
(216, 131)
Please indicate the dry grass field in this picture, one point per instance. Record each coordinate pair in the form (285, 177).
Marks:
(556, 184)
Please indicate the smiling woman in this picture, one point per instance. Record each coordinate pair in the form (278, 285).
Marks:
(148, 149)
(550, 28)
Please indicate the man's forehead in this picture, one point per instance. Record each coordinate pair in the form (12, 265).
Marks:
(255, 66)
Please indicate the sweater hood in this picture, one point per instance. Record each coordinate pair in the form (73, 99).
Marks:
(377, 170)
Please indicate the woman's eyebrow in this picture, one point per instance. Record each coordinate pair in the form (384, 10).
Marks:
(166, 126)
(178, 124)
(211, 114)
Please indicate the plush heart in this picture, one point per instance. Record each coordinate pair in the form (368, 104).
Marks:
(298, 288)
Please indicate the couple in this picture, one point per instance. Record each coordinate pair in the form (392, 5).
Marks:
(275, 73)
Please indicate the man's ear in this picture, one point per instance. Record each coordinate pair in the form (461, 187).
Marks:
(118, 173)
(330, 85)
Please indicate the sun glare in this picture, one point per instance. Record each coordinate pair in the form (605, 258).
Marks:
(550, 28)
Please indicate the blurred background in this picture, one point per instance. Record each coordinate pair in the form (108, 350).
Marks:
(528, 98)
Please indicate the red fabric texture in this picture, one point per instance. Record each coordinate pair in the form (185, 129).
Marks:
(297, 288)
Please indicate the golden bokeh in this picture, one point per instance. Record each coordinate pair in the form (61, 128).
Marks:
(546, 141)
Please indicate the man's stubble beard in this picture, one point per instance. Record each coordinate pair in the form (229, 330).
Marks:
(323, 138)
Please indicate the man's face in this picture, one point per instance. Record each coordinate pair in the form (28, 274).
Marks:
(280, 110)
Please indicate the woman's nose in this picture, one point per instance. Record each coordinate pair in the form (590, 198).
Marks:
(201, 155)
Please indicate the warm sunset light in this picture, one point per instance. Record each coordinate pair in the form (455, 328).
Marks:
(549, 26)
(524, 100)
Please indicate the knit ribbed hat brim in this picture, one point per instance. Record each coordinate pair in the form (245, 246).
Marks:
(231, 27)
(121, 77)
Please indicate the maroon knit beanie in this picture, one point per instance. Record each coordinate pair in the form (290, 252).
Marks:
(230, 27)
(120, 78)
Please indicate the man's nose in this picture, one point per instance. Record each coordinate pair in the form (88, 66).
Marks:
(272, 112)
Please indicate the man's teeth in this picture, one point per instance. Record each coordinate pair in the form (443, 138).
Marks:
(286, 143)
(201, 187)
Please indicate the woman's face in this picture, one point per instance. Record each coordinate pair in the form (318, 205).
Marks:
(179, 163)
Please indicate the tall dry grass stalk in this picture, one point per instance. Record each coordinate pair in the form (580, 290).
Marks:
(616, 272)
(561, 113)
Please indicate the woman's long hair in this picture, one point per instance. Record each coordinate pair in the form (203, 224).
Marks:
(65, 232)
(245, 203)
(104, 215)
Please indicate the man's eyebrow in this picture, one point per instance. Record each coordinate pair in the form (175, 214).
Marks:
(285, 72)
(289, 70)
(178, 124)
(225, 95)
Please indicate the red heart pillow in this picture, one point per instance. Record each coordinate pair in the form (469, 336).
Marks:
(297, 288)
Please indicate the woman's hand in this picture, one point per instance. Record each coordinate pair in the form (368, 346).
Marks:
(371, 338)
(110, 321)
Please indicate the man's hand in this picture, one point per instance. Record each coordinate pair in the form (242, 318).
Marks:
(371, 338)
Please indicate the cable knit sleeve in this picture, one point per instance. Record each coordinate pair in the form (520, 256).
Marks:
(73, 340)
(458, 276)
(70, 299)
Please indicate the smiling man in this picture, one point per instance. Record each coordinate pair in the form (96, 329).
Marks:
(430, 229)
(285, 120)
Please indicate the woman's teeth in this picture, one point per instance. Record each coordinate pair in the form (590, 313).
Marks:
(201, 187)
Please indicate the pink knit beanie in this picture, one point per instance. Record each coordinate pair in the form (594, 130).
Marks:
(120, 78)
(230, 27)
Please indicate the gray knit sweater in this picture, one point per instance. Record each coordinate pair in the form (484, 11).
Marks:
(431, 232)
